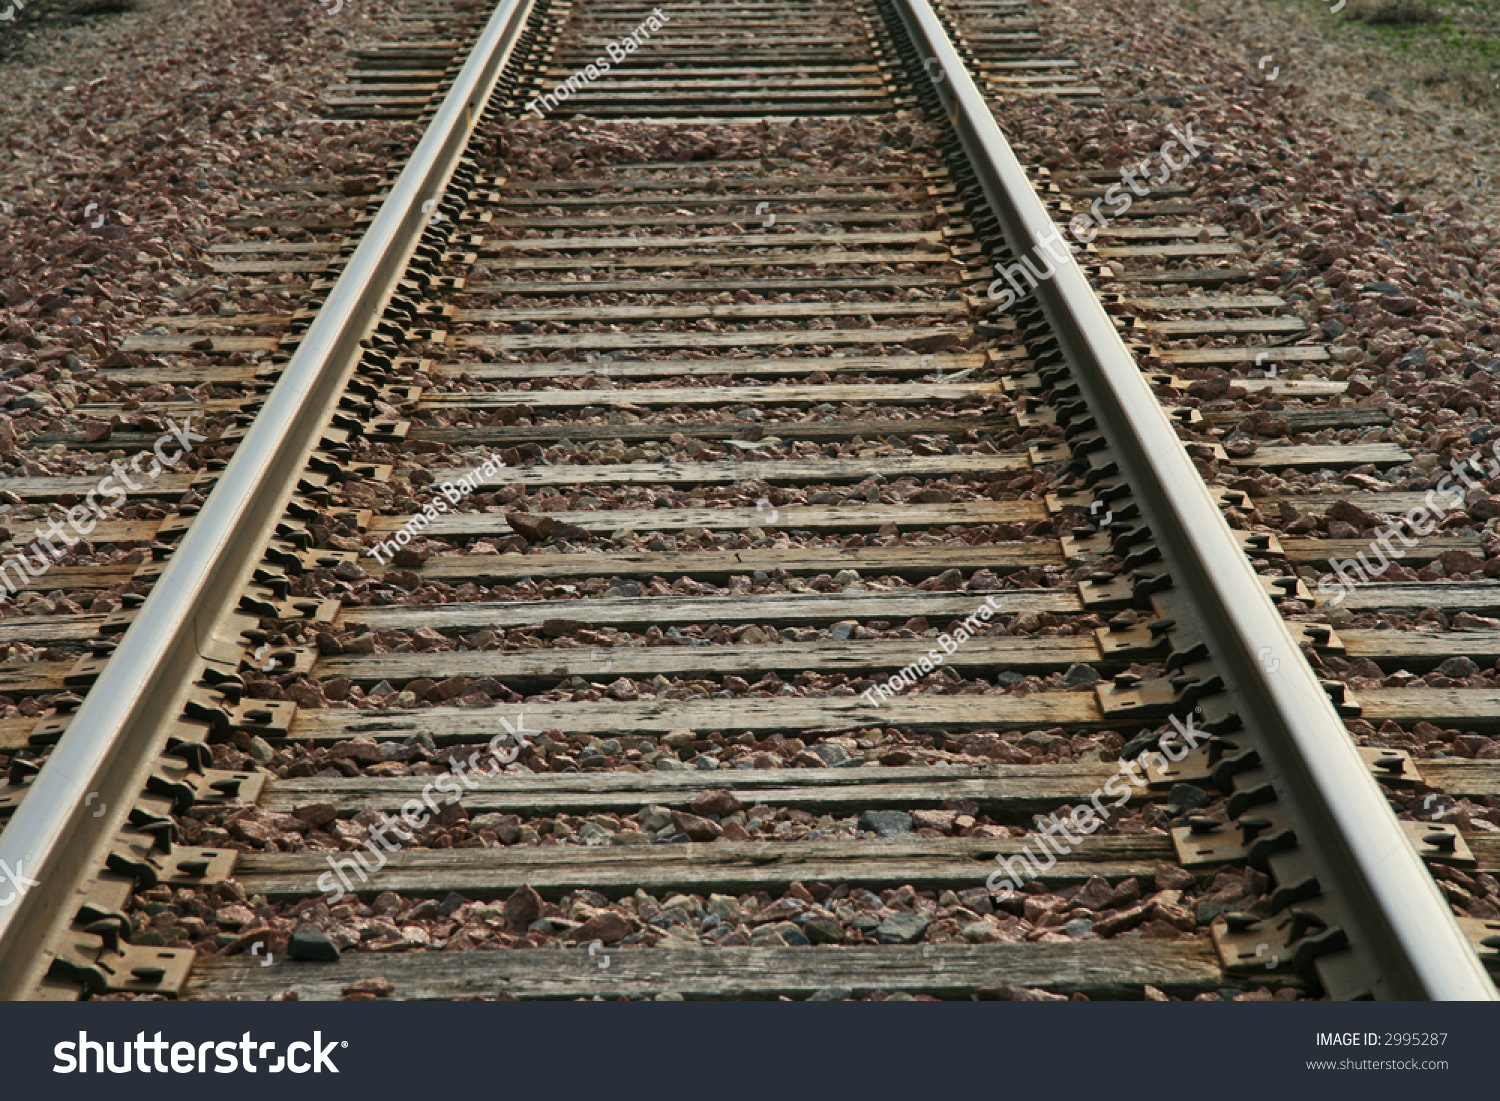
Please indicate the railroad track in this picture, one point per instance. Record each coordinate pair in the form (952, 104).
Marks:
(661, 476)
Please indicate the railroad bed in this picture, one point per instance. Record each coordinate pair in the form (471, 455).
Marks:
(618, 462)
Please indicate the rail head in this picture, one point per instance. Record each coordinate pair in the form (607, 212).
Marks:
(111, 744)
(1399, 914)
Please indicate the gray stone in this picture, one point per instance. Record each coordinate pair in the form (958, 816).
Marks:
(705, 764)
(784, 931)
(1047, 743)
(1188, 797)
(591, 834)
(1458, 667)
(831, 754)
(421, 738)
(669, 764)
(841, 631)
(1081, 674)
(976, 899)
(831, 994)
(1078, 926)
(667, 918)
(654, 817)
(310, 944)
(886, 823)
(901, 929)
(1008, 679)
(823, 931)
(1207, 911)
(1382, 286)
(978, 932)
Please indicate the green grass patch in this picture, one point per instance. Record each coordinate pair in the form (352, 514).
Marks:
(39, 18)
(102, 7)
(1396, 13)
(1454, 45)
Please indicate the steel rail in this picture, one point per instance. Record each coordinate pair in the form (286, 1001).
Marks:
(1400, 917)
(122, 725)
